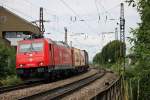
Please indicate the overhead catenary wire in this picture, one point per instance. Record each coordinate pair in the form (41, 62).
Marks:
(108, 10)
(18, 11)
(77, 14)
(24, 14)
(47, 11)
(98, 11)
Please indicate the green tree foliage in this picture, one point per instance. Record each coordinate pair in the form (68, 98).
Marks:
(7, 61)
(98, 58)
(141, 68)
(111, 53)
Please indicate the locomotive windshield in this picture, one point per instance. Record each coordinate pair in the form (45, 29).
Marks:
(37, 46)
(31, 47)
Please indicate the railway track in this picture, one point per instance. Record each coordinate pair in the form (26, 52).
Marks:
(59, 92)
(20, 86)
(23, 92)
(28, 84)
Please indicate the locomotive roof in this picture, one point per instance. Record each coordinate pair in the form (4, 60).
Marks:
(39, 39)
(61, 43)
(49, 40)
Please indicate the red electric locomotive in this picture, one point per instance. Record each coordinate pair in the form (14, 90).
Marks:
(44, 58)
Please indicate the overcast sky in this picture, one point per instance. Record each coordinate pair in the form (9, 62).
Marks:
(79, 16)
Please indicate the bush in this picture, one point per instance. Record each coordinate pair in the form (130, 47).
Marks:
(10, 80)
(7, 61)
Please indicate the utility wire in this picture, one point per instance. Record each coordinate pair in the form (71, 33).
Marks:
(97, 10)
(104, 8)
(46, 10)
(110, 9)
(76, 14)
(69, 7)
(19, 12)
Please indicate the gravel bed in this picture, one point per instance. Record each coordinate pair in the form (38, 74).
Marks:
(86, 93)
(15, 95)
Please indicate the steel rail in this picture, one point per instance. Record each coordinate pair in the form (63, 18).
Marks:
(4, 89)
(19, 86)
(59, 92)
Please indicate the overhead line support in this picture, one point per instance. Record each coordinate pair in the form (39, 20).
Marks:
(122, 33)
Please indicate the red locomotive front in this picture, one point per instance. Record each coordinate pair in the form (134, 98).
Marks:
(32, 56)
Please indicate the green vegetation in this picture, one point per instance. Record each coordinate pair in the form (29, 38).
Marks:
(10, 80)
(111, 55)
(7, 65)
(137, 74)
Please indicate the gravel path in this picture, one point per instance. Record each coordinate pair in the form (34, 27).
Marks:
(14, 95)
(91, 90)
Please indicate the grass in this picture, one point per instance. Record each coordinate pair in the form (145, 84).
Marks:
(10, 80)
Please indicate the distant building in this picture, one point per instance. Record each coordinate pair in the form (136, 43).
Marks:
(14, 28)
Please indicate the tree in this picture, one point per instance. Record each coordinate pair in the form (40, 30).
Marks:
(98, 58)
(111, 53)
(7, 60)
(142, 52)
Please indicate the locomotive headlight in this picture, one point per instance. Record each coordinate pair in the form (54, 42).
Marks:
(21, 65)
(41, 63)
(30, 55)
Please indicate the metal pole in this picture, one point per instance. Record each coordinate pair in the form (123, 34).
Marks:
(116, 33)
(122, 33)
(65, 35)
(122, 47)
(41, 24)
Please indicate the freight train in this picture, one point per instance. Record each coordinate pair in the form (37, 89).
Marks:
(44, 58)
